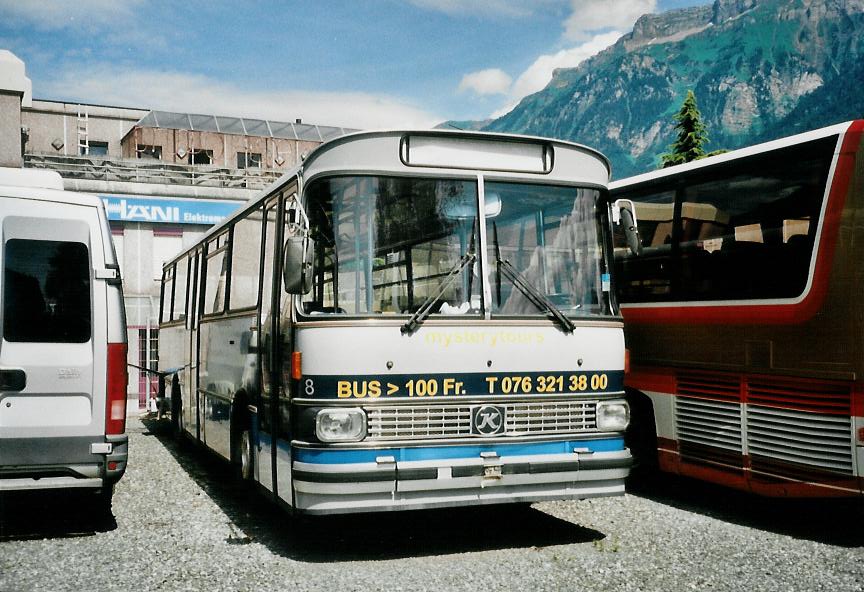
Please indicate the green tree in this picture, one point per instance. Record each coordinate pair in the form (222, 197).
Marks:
(691, 135)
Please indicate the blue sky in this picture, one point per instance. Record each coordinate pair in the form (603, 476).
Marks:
(377, 63)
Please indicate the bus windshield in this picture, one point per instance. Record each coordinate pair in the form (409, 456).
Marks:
(394, 245)
(548, 238)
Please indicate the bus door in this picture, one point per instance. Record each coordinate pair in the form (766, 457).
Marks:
(191, 417)
(284, 354)
(268, 326)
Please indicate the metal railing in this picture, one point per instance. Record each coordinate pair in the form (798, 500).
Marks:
(151, 171)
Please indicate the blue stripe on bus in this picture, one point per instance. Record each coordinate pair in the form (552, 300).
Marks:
(332, 457)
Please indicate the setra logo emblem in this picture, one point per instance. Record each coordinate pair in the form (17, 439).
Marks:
(488, 420)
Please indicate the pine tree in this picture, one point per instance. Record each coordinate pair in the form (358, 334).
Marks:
(691, 134)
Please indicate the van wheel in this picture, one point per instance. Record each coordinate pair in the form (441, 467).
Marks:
(99, 507)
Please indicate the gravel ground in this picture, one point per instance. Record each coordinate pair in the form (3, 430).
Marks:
(191, 527)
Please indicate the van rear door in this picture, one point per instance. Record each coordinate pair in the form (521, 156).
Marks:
(54, 347)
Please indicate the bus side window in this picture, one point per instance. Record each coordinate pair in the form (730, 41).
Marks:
(216, 274)
(167, 293)
(647, 277)
(245, 255)
(180, 290)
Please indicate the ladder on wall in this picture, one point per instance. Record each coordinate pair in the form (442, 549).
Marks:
(83, 125)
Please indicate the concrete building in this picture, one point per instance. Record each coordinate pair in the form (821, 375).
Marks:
(165, 179)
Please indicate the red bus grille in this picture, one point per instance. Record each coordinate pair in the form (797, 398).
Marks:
(714, 386)
(709, 430)
(804, 395)
(799, 428)
(782, 438)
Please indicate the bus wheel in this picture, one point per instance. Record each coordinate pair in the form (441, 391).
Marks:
(176, 408)
(241, 442)
(641, 438)
(245, 453)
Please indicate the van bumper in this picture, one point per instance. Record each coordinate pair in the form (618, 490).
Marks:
(58, 463)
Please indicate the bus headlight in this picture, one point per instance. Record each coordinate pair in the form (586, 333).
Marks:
(340, 425)
(613, 416)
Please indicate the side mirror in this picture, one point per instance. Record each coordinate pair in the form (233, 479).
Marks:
(297, 266)
(624, 213)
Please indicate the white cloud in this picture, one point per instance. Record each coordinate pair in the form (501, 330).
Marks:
(592, 16)
(177, 91)
(507, 8)
(594, 24)
(60, 14)
(539, 74)
(493, 81)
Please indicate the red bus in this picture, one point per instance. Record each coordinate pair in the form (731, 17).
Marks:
(743, 315)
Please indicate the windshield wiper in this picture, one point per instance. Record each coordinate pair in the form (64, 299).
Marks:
(426, 308)
(536, 297)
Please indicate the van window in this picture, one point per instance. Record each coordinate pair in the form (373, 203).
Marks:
(46, 291)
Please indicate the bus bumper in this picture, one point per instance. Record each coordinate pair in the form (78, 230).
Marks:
(418, 478)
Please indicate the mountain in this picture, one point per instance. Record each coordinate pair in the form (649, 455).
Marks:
(761, 69)
(467, 125)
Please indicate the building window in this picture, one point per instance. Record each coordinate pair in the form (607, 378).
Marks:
(201, 157)
(248, 160)
(148, 357)
(149, 152)
(94, 148)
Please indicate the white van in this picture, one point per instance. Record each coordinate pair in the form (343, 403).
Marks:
(62, 340)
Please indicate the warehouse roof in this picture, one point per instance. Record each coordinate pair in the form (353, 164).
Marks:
(242, 126)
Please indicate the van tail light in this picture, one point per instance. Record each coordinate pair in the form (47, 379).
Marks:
(115, 406)
(626, 361)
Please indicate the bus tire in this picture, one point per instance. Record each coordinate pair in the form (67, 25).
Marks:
(176, 408)
(641, 437)
(242, 454)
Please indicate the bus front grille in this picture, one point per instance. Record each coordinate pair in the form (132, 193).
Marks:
(399, 422)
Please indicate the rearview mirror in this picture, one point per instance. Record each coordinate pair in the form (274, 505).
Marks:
(297, 265)
(465, 207)
(624, 214)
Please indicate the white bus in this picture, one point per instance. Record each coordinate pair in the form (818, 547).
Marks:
(408, 320)
(62, 341)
